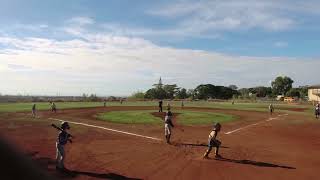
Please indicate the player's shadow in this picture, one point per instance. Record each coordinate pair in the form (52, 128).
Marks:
(254, 163)
(196, 145)
(45, 163)
(103, 175)
(41, 161)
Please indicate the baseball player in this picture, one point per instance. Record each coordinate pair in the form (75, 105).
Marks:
(271, 109)
(34, 110)
(317, 111)
(104, 103)
(168, 106)
(213, 141)
(168, 125)
(160, 105)
(62, 140)
(53, 107)
(182, 104)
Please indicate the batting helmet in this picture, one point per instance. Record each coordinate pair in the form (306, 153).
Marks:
(217, 126)
(65, 125)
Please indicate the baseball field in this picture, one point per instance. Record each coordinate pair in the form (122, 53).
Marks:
(126, 141)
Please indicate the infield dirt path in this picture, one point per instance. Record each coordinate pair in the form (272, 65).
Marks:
(284, 148)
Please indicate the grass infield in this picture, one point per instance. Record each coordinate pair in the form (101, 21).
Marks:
(130, 117)
(201, 118)
(184, 117)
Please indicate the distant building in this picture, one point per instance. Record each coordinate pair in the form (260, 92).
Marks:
(314, 93)
(280, 98)
(289, 99)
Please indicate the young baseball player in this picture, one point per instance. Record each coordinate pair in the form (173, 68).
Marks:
(317, 111)
(34, 110)
(160, 105)
(62, 140)
(213, 141)
(168, 106)
(271, 109)
(53, 107)
(168, 125)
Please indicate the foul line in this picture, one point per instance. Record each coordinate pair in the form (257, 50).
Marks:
(245, 127)
(113, 130)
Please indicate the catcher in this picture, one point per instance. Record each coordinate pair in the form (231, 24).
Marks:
(168, 125)
(213, 141)
(62, 140)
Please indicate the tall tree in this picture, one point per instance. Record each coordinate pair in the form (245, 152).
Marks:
(244, 92)
(171, 90)
(233, 87)
(205, 91)
(137, 95)
(294, 92)
(261, 91)
(190, 93)
(155, 93)
(182, 93)
(281, 85)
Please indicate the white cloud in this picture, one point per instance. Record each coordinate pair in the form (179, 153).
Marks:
(280, 44)
(107, 64)
(210, 16)
(170, 34)
(81, 20)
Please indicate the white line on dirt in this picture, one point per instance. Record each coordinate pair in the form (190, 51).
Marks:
(108, 129)
(245, 127)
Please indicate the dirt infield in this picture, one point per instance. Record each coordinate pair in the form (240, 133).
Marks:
(278, 147)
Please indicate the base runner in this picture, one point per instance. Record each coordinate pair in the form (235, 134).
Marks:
(213, 141)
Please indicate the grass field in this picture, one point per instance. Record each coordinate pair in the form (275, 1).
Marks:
(203, 118)
(184, 117)
(19, 107)
(130, 117)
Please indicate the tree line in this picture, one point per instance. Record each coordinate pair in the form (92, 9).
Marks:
(281, 85)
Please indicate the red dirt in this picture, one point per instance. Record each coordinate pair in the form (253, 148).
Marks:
(285, 148)
(294, 109)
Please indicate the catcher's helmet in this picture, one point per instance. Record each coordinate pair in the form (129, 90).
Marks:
(65, 125)
(217, 126)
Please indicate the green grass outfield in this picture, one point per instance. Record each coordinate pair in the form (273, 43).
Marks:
(20, 107)
(184, 117)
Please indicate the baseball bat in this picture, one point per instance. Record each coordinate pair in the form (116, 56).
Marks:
(58, 128)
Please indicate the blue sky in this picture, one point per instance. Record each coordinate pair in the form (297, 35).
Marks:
(121, 46)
